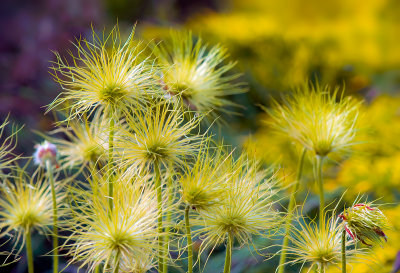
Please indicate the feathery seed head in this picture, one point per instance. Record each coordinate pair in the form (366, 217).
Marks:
(313, 117)
(126, 234)
(203, 184)
(26, 204)
(6, 147)
(246, 208)
(157, 135)
(365, 223)
(319, 246)
(86, 144)
(196, 72)
(106, 74)
(140, 265)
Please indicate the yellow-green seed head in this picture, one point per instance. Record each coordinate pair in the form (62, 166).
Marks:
(26, 204)
(246, 208)
(319, 247)
(140, 265)
(197, 72)
(127, 234)
(203, 183)
(318, 119)
(86, 143)
(106, 74)
(6, 147)
(157, 135)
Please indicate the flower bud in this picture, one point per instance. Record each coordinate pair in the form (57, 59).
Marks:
(46, 152)
(365, 223)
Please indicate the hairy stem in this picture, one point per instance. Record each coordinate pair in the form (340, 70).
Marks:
(189, 240)
(228, 257)
(160, 217)
(320, 161)
(170, 192)
(49, 168)
(29, 252)
(289, 219)
(110, 163)
(344, 251)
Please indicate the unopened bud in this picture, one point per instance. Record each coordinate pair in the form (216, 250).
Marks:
(365, 223)
(46, 152)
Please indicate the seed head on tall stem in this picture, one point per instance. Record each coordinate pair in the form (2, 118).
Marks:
(246, 209)
(106, 74)
(26, 205)
(203, 186)
(320, 246)
(121, 239)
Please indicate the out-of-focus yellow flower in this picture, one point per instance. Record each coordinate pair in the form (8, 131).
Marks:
(375, 165)
(282, 42)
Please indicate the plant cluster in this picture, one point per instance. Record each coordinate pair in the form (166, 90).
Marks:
(139, 178)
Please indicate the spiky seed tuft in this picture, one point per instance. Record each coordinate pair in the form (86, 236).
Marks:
(320, 247)
(7, 145)
(203, 183)
(125, 235)
(197, 72)
(26, 204)
(314, 118)
(106, 74)
(246, 208)
(158, 134)
(86, 142)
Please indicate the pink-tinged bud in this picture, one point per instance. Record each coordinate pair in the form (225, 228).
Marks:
(365, 223)
(46, 152)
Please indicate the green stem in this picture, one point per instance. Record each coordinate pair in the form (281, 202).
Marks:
(29, 252)
(228, 257)
(116, 263)
(55, 218)
(320, 161)
(289, 219)
(344, 251)
(160, 216)
(97, 269)
(189, 240)
(169, 217)
(110, 164)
